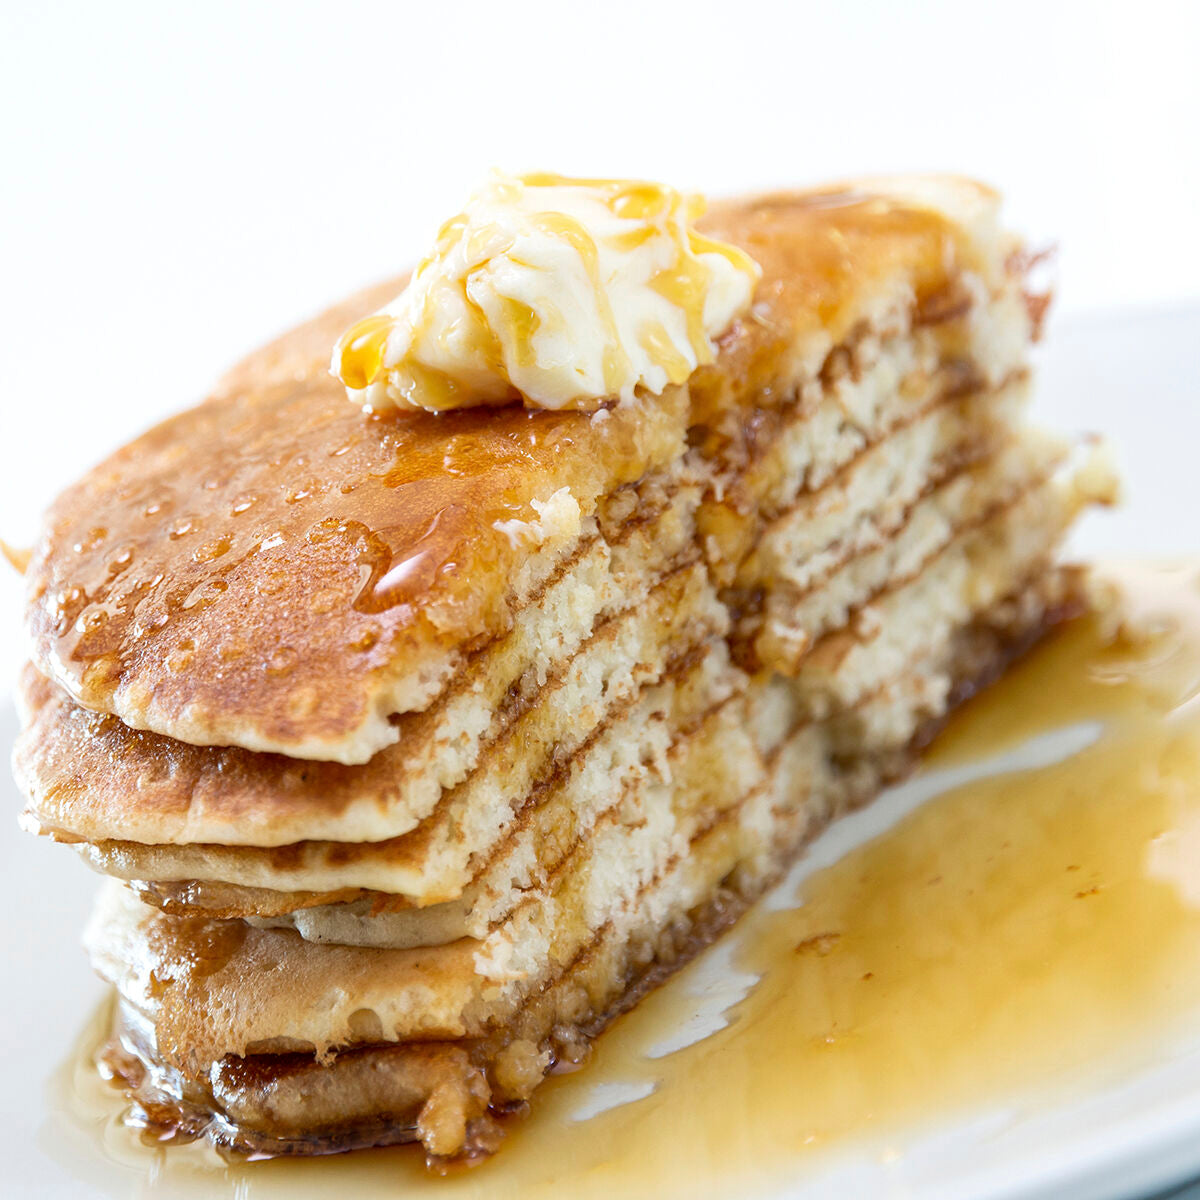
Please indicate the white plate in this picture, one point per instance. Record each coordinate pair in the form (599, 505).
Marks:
(1135, 377)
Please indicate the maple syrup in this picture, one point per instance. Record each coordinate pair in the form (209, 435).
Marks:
(1031, 917)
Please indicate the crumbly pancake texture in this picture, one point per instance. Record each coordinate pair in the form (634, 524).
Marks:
(276, 571)
(415, 747)
(179, 978)
(187, 794)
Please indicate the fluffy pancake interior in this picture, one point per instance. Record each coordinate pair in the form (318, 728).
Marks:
(587, 725)
(401, 544)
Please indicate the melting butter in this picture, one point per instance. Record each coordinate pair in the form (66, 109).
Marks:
(563, 293)
(1029, 929)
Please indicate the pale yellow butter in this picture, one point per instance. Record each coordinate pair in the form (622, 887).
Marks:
(561, 293)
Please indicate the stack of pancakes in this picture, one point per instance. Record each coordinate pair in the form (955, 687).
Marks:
(417, 746)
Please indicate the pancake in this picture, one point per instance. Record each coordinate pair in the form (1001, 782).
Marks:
(190, 792)
(441, 858)
(212, 989)
(156, 588)
(417, 745)
(279, 1097)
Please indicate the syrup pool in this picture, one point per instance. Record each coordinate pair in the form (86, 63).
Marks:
(1015, 928)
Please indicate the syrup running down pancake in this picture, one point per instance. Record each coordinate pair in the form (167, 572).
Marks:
(874, 1010)
(420, 744)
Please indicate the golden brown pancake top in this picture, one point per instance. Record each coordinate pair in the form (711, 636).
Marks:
(262, 569)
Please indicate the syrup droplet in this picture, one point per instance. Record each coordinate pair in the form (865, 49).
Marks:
(90, 540)
(359, 352)
(390, 579)
(210, 551)
(92, 620)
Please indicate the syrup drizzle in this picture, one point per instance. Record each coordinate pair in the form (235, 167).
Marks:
(1028, 926)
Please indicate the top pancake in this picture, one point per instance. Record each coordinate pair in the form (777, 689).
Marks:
(275, 570)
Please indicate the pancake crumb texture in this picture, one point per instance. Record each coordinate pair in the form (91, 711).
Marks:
(418, 746)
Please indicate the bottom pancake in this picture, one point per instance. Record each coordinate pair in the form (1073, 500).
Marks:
(452, 1093)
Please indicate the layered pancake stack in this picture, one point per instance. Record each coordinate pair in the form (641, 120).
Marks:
(419, 745)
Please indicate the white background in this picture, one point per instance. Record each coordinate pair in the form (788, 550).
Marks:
(178, 183)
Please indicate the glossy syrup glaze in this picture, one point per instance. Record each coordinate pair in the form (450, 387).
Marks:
(1030, 924)
(261, 570)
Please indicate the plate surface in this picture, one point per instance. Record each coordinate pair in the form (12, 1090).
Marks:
(1135, 377)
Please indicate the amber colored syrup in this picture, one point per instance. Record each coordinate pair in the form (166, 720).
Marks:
(360, 350)
(1005, 937)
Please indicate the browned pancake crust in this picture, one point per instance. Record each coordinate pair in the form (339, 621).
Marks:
(88, 775)
(267, 569)
(450, 1094)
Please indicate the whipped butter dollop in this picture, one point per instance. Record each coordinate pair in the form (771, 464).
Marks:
(561, 293)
